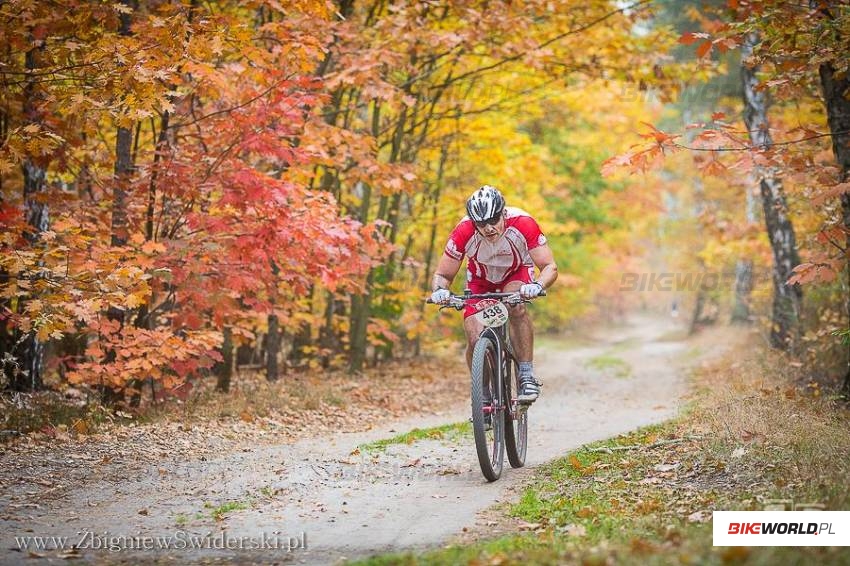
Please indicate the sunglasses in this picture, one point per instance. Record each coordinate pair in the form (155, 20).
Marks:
(492, 222)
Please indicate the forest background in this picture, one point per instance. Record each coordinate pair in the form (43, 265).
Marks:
(188, 187)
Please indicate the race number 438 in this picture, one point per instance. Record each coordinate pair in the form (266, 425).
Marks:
(493, 315)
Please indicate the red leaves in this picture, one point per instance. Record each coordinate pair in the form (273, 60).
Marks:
(830, 192)
(656, 134)
(723, 43)
(813, 272)
(704, 48)
(689, 38)
(645, 157)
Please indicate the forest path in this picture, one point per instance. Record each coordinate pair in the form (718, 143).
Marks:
(346, 503)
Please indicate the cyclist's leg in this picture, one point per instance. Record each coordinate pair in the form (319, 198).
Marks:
(522, 337)
(522, 330)
(471, 326)
(473, 329)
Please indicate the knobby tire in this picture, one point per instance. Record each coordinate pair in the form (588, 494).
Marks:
(485, 371)
(516, 419)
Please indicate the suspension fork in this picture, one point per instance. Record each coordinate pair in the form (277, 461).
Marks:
(498, 338)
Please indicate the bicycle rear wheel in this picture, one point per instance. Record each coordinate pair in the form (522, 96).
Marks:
(516, 419)
(486, 385)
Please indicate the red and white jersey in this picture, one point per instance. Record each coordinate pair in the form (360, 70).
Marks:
(495, 262)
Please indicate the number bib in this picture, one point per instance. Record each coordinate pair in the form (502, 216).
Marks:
(491, 313)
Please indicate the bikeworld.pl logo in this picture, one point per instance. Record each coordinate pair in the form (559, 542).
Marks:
(781, 528)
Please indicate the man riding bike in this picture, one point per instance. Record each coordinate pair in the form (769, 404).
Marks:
(502, 246)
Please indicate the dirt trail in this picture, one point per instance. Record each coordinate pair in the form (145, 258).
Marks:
(407, 497)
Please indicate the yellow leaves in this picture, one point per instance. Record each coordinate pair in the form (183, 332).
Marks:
(216, 45)
(6, 165)
(136, 299)
(34, 306)
(31, 140)
(580, 467)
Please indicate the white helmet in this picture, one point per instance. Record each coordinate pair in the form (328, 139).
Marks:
(485, 204)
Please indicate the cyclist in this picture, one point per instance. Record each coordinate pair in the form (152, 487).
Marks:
(502, 245)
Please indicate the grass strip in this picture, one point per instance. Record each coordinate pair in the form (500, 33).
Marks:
(448, 432)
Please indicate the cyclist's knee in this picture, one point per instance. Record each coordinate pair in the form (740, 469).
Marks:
(518, 311)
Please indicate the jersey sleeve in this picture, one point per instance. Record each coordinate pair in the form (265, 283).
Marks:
(460, 236)
(530, 230)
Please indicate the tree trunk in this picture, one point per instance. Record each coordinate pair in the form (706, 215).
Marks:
(743, 289)
(123, 168)
(7, 337)
(361, 307)
(161, 147)
(787, 299)
(272, 348)
(224, 369)
(432, 237)
(361, 304)
(303, 335)
(119, 232)
(741, 312)
(30, 350)
(330, 339)
(123, 161)
(836, 89)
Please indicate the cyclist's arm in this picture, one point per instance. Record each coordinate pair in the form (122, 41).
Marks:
(545, 261)
(447, 268)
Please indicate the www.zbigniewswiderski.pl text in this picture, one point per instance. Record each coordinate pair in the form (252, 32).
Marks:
(180, 540)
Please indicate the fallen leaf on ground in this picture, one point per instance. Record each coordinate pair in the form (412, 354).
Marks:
(573, 530)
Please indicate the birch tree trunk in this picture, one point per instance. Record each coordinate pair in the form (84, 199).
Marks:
(787, 299)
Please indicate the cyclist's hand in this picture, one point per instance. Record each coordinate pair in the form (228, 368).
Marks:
(530, 290)
(441, 296)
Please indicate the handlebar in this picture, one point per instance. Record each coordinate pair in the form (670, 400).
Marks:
(459, 301)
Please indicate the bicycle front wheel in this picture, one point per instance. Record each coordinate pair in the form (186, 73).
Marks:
(488, 401)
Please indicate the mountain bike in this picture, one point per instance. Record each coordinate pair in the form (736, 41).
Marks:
(499, 420)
